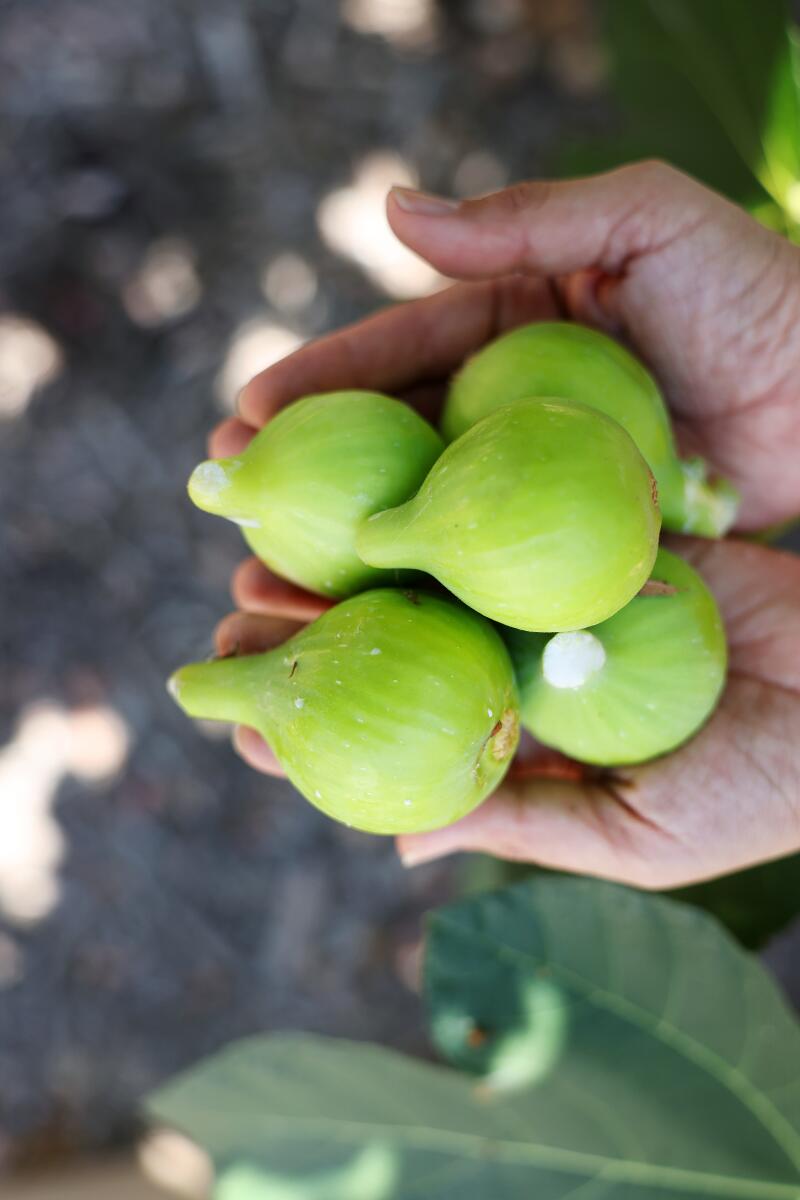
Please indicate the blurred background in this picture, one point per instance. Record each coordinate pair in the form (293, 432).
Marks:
(188, 190)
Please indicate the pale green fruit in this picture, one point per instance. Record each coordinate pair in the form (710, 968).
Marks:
(633, 687)
(556, 358)
(394, 712)
(311, 475)
(541, 516)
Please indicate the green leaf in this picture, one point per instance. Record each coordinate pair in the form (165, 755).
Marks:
(753, 904)
(712, 86)
(632, 1024)
(660, 1062)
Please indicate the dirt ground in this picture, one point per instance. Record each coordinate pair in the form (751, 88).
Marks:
(157, 158)
(166, 227)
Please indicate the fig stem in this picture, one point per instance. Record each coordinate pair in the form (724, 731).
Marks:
(226, 689)
(383, 540)
(215, 487)
(709, 505)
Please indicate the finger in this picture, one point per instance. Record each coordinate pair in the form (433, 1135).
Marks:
(555, 823)
(256, 589)
(401, 346)
(255, 751)
(252, 633)
(758, 592)
(230, 437)
(552, 228)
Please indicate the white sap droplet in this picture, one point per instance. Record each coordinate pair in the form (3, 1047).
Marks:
(374, 650)
(318, 795)
(299, 702)
(211, 477)
(338, 681)
(489, 712)
(407, 803)
(570, 659)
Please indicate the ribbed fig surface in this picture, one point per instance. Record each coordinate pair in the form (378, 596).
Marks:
(634, 686)
(558, 358)
(541, 516)
(394, 712)
(311, 475)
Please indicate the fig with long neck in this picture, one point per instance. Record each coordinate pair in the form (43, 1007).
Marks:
(311, 475)
(394, 712)
(556, 358)
(542, 516)
(634, 686)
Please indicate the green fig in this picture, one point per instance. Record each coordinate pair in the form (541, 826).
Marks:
(311, 475)
(633, 687)
(394, 712)
(556, 358)
(542, 516)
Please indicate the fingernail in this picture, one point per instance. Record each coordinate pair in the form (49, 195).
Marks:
(422, 204)
(417, 853)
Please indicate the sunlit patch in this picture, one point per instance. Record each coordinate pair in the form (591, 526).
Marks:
(255, 345)
(479, 172)
(165, 286)
(409, 23)
(372, 1174)
(289, 283)
(29, 358)
(528, 1053)
(49, 743)
(353, 223)
(173, 1162)
(793, 200)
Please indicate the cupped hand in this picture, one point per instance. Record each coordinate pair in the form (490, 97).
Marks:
(711, 302)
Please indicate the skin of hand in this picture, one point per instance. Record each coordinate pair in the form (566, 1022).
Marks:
(710, 301)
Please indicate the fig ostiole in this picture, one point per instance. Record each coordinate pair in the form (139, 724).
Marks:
(557, 358)
(394, 712)
(308, 478)
(634, 686)
(542, 516)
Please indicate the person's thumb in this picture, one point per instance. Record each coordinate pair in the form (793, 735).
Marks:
(552, 228)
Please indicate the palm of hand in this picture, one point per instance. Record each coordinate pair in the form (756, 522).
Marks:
(732, 795)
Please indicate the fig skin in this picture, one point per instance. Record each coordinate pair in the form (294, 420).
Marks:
(557, 358)
(663, 672)
(542, 516)
(394, 712)
(311, 475)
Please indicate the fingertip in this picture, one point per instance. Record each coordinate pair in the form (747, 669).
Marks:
(256, 589)
(251, 633)
(229, 438)
(256, 752)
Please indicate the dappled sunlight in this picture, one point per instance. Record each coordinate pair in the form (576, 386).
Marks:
(49, 742)
(165, 286)
(373, 1174)
(176, 1164)
(289, 283)
(353, 222)
(256, 345)
(29, 358)
(527, 1053)
(405, 23)
(479, 172)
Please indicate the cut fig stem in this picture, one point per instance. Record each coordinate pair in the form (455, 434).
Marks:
(709, 506)
(223, 689)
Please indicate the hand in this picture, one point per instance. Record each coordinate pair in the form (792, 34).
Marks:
(710, 300)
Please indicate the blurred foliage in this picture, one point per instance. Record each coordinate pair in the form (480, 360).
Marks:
(622, 1041)
(713, 86)
(753, 905)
